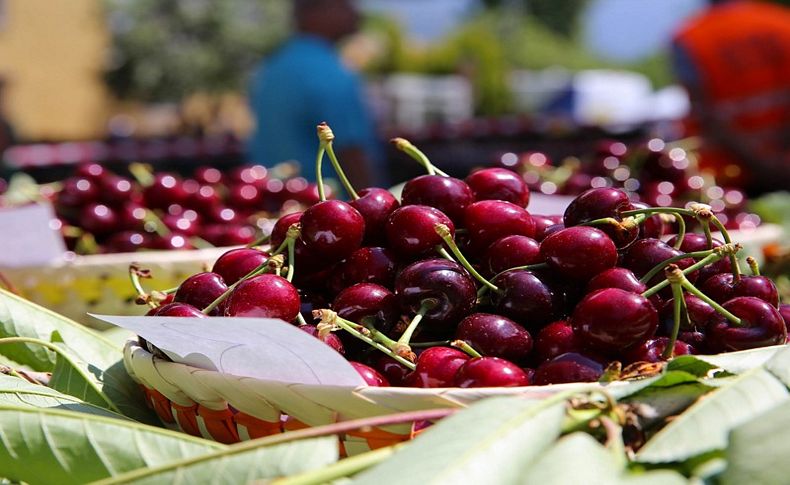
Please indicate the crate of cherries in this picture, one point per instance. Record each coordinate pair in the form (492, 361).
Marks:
(458, 285)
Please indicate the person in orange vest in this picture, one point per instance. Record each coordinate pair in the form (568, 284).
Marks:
(734, 59)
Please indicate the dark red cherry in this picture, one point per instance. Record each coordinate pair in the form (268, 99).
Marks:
(411, 230)
(375, 205)
(616, 278)
(722, 287)
(555, 339)
(437, 366)
(204, 199)
(509, 252)
(99, 219)
(693, 242)
(207, 175)
(132, 216)
(368, 265)
(699, 314)
(526, 298)
(438, 282)
(174, 240)
(653, 350)
(490, 372)
(762, 325)
(178, 309)
(723, 265)
(127, 242)
(371, 376)
(165, 190)
(265, 296)
(237, 263)
(368, 303)
(280, 229)
(330, 339)
(396, 373)
(77, 192)
(115, 190)
(245, 197)
(332, 229)
(600, 203)
(612, 320)
(495, 336)
(654, 226)
(498, 184)
(185, 225)
(199, 290)
(543, 223)
(449, 195)
(784, 310)
(489, 220)
(93, 171)
(645, 254)
(570, 367)
(579, 252)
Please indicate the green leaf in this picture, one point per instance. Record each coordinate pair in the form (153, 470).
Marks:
(741, 361)
(102, 358)
(655, 404)
(240, 463)
(19, 392)
(779, 365)
(704, 426)
(759, 449)
(490, 442)
(64, 447)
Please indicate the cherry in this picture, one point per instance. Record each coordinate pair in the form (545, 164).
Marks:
(332, 229)
(174, 240)
(368, 265)
(188, 226)
(395, 372)
(510, 252)
(199, 290)
(526, 298)
(178, 309)
(652, 350)
(555, 339)
(579, 252)
(437, 366)
(266, 296)
(784, 310)
(612, 319)
(489, 220)
(165, 190)
(131, 216)
(371, 376)
(448, 194)
(93, 171)
(653, 226)
(495, 336)
(498, 184)
(410, 230)
(204, 199)
(443, 285)
(115, 190)
(601, 203)
(699, 314)
(127, 242)
(280, 229)
(645, 254)
(99, 219)
(621, 278)
(245, 197)
(368, 303)
(207, 175)
(693, 242)
(490, 372)
(330, 339)
(543, 223)
(223, 215)
(569, 367)
(237, 263)
(723, 287)
(78, 192)
(375, 205)
(761, 325)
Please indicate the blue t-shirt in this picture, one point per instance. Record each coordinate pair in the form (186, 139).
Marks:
(300, 85)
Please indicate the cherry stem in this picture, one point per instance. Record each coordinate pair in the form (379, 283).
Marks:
(443, 253)
(677, 295)
(377, 340)
(688, 286)
(142, 173)
(674, 259)
(159, 227)
(300, 319)
(339, 170)
(681, 231)
(291, 263)
(706, 231)
(753, 266)
(260, 241)
(717, 254)
(435, 343)
(606, 221)
(526, 267)
(405, 337)
(464, 345)
(409, 149)
(444, 232)
(134, 276)
(319, 177)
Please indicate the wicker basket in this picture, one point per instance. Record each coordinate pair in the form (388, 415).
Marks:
(229, 409)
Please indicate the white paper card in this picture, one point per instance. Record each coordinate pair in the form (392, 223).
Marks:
(28, 238)
(548, 205)
(262, 348)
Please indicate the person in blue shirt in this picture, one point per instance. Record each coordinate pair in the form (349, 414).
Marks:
(303, 83)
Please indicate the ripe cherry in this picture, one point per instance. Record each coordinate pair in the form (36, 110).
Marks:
(265, 296)
(368, 265)
(555, 339)
(93, 171)
(178, 309)
(174, 240)
(600, 203)
(526, 298)
(653, 226)
(762, 325)
(395, 372)
(645, 254)
(237, 263)
(199, 290)
(579, 252)
(621, 278)
(510, 252)
(115, 190)
(653, 350)
(490, 372)
(570, 367)
(371, 376)
(723, 287)
(368, 303)
(448, 194)
(489, 220)
(784, 310)
(495, 336)
(611, 320)
(543, 223)
(330, 339)
(99, 219)
(498, 184)
(127, 242)
(332, 229)
(77, 192)
(375, 205)
(165, 190)
(411, 230)
(437, 366)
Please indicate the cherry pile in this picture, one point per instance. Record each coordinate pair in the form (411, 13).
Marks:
(101, 211)
(654, 172)
(457, 284)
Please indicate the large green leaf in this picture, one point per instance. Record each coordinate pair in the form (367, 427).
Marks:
(19, 392)
(242, 463)
(592, 464)
(63, 447)
(779, 365)
(759, 449)
(704, 426)
(101, 358)
(491, 442)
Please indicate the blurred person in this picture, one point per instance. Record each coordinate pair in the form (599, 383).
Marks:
(303, 83)
(734, 59)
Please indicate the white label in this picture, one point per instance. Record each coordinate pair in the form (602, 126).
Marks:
(27, 237)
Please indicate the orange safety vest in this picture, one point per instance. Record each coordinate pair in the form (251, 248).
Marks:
(741, 53)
